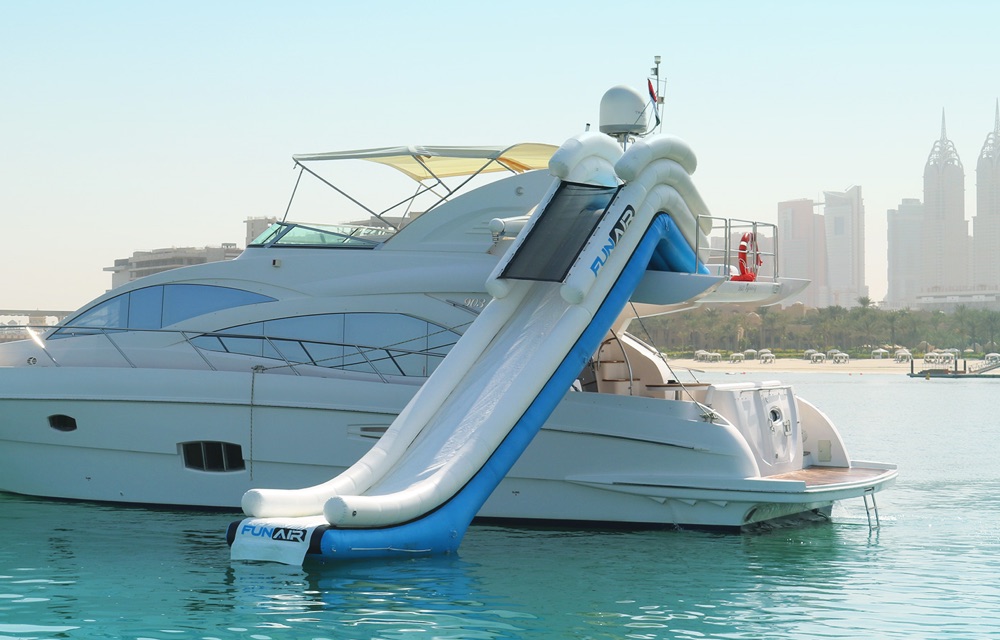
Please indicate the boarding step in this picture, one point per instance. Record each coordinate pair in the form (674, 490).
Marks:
(870, 508)
(615, 370)
(621, 386)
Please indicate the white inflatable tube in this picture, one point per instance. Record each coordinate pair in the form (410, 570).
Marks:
(666, 171)
(602, 243)
(586, 158)
(644, 154)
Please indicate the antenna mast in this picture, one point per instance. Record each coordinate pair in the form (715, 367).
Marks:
(660, 87)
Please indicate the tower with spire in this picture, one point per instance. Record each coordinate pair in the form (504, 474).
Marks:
(945, 245)
(986, 224)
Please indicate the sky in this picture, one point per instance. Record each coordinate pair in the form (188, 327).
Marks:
(131, 126)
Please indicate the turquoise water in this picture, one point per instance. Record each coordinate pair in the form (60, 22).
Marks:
(77, 570)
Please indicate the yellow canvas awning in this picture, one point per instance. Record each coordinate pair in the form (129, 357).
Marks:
(423, 163)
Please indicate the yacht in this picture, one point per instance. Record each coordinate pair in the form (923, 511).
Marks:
(283, 367)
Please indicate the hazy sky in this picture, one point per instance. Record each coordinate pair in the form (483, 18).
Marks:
(129, 126)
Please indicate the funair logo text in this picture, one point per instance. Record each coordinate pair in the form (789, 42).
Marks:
(614, 236)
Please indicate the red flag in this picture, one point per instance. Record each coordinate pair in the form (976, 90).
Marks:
(652, 96)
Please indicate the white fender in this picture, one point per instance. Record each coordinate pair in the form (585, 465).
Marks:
(508, 226)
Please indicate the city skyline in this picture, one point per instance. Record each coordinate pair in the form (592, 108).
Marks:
(135, 128)
(938, 259)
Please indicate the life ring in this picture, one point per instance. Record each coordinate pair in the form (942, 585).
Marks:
(748, 258)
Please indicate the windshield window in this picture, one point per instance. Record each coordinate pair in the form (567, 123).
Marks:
(321, 235)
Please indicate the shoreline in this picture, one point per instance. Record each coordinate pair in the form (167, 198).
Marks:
(797, 365)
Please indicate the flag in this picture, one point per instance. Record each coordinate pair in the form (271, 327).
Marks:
(652, 96)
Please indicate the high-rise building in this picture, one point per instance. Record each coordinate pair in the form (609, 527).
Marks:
(944, 242)
(146, 263)
(986, 224)
(802, 253)
(844, 219)
(257, 226)
(905, 224)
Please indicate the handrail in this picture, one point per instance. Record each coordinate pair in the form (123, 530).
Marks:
(730, 227)
(370, 354)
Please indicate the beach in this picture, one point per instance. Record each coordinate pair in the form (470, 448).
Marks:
(859, 366)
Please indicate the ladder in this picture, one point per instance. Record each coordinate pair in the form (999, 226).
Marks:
(871, 507)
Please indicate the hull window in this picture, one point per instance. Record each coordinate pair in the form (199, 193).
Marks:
(213, 456)
(60, 422)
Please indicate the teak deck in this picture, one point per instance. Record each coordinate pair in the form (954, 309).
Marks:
(829, 475)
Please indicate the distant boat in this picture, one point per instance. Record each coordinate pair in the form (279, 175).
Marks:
(988, 370)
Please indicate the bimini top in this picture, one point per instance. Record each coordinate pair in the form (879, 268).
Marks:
(430, 163)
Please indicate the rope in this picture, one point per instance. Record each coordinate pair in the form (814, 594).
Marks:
(709, 414)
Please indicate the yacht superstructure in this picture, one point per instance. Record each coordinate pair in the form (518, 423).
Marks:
(285, 366)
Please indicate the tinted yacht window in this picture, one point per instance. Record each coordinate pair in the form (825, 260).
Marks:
(156, 307)
(110, 313)
(183, 301)
(383, 343)
(145, 308)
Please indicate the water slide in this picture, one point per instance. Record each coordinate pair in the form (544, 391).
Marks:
(557, 291)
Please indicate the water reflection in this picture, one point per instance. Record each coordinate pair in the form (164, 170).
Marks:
(77, 570)
(436, 597)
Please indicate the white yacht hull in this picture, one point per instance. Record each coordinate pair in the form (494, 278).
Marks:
(600, 458)
(146, 395)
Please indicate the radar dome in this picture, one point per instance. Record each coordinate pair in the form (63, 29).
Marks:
(623, 112)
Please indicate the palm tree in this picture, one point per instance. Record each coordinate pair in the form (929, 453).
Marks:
(991, 324)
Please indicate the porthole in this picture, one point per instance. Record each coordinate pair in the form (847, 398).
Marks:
(61, 422)
(213, 456)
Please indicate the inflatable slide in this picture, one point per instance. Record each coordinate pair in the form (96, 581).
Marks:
(608, 217)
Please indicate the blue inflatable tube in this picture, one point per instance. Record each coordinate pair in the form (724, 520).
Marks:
(673, 253)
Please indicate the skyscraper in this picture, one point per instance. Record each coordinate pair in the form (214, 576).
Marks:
(844, 217)
(903, 235)
(803, 250)
(986, 224)
(944, 242)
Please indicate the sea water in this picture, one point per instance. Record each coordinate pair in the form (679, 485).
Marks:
(80, 570)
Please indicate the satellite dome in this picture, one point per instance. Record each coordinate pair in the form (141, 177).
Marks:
(623, 112)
